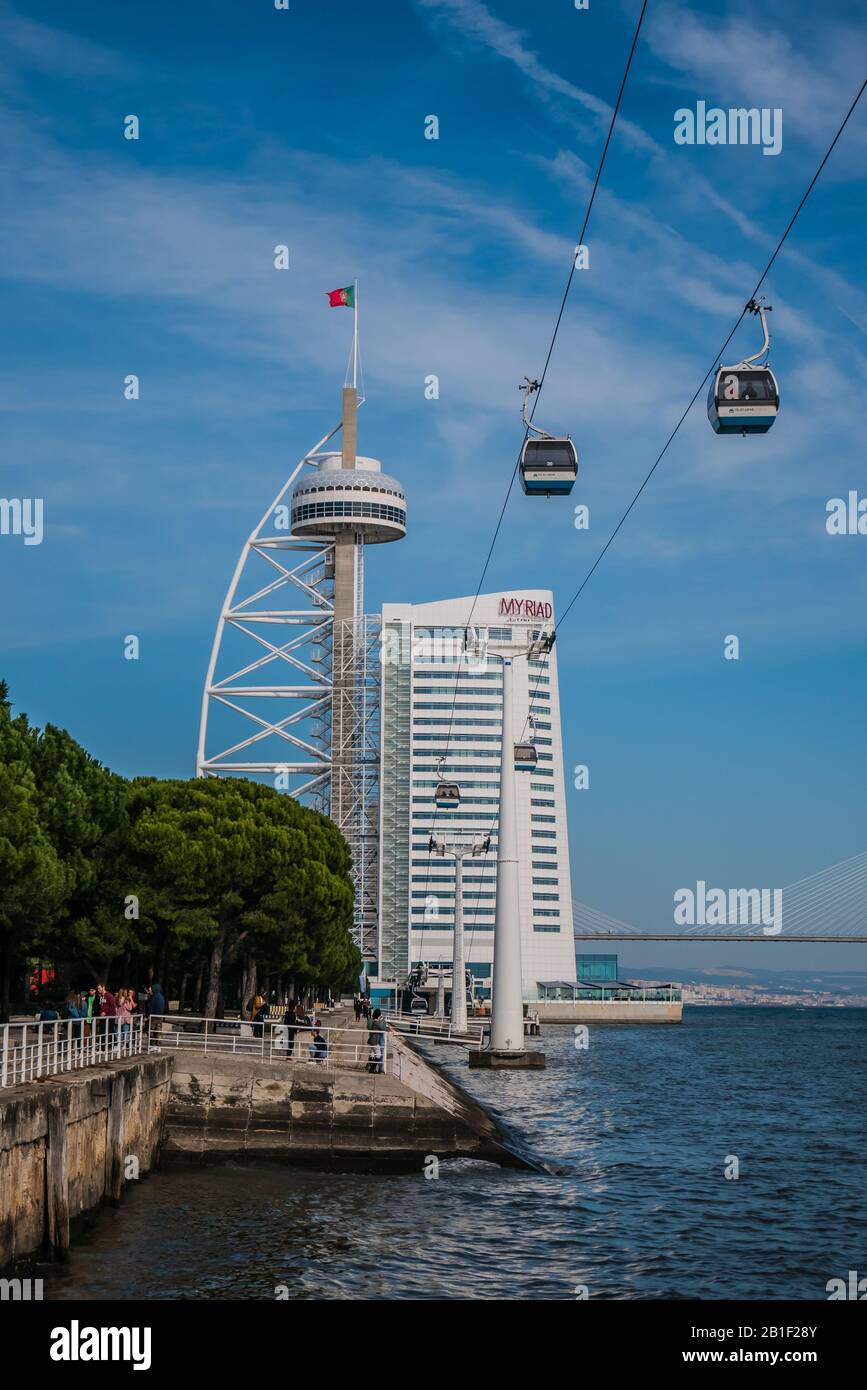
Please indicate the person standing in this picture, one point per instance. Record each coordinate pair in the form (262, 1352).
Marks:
(107, 1001)
(124, 1008)
(257, 1015)
(376, 1043)
(90, 1010)
(105, 1007)
(289, 1020)
(72, 1009)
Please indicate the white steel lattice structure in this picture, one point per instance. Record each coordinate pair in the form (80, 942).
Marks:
(266, 704)
(292, 692)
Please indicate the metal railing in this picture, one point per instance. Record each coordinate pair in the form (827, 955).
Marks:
(29, 1051)
(267, 1041)
(430, 1026)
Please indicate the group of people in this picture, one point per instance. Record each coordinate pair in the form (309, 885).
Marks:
(293, 1019)
(361, 1007)
(97, 1001)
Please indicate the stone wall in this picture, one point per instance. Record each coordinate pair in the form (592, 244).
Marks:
(223, 1106)
(64, 1142)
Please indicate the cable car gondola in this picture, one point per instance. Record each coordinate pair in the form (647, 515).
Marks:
(448, 794)
(549, 466)
(525, 757)
(744, 399)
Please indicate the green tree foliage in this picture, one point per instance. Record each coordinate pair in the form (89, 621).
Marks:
(33, 879)
(218, 875)
(83, 810)
(233, 866)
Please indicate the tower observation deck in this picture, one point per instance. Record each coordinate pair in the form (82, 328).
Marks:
(292, 691)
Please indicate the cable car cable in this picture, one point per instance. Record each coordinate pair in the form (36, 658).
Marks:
(712, 368)
(566, 292)
(588, 576)
(717, 358)
(581, 235)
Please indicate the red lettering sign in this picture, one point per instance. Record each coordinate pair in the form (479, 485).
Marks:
(525, 608)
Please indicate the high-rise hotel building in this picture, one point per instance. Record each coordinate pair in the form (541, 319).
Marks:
(441, 717)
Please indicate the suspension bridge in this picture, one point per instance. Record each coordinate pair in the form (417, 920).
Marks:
(830, 905)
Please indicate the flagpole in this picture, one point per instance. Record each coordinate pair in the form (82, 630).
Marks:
(355, 336)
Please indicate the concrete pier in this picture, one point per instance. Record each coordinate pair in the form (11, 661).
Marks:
(608, 1010)
(226, 1107)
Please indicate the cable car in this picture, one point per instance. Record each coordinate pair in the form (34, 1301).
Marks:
(744, 399)
(448, 794)
(525, 757)
(549, 466)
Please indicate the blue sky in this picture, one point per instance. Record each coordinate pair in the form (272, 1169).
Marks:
(261, 127)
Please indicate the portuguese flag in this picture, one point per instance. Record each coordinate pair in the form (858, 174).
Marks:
(344, 298)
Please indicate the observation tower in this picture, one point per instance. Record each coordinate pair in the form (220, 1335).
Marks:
(292, 691)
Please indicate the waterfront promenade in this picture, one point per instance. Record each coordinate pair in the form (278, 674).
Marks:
(72, 1140)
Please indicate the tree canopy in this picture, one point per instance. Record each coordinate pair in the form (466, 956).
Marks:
(224, 882)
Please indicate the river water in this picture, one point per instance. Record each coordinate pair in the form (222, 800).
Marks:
(638, 1131)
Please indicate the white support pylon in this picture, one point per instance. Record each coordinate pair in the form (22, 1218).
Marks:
(459, 966)
(507, 992)
(507, 1001)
